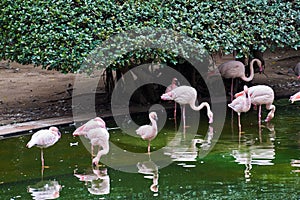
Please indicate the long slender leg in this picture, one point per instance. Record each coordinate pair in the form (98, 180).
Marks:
(175, 110)
(240, 126)
(231, 90)
(148, 146)
(239, 121)
(259, 114)
(183, 116)
(42, 157)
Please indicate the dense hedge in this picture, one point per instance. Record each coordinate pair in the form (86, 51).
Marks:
(59, 34)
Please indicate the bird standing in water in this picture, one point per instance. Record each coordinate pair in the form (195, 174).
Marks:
(44, 139)
(95, 130)
(149, 132)
(261, 94)
(236, 69)
(187, 95)
(241, 104)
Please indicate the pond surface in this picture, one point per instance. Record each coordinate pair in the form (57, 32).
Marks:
(263, 164)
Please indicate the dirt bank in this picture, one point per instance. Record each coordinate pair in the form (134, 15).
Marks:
(31, 93)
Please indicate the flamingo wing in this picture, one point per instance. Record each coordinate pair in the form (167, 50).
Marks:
(146, 132)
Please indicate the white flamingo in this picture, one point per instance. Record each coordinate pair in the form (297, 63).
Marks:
(187, 95)
(241, 104)
(44, 139)
(236, 69)
(149, 132)
(171, 87)
(95, 130)
(262, 94)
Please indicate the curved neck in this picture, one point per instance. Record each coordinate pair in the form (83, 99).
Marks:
(104, 150)
(153, 123)
(251, 76)
(200, 106)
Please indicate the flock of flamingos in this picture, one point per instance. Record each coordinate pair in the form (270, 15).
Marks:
(95, 129)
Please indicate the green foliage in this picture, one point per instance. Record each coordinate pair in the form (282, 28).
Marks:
(59, 34)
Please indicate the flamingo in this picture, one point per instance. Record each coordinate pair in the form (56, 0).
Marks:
(149, 132)
(295, 97)
(172, 86)
(262, 94)
(297, 70)
(95, 130)
(241, 104)
(236, 69)
(44, 139)
(187, 95)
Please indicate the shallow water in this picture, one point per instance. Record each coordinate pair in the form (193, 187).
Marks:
(263, 164)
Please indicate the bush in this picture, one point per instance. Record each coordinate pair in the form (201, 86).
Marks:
(59, 34)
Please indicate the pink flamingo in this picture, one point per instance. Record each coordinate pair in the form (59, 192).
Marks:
(236, 69)
(44, 139)
(149, 132)
(241, 104)
(95, 130)
(171, 87)
(295, 97)
(262, 94)
(187, 95)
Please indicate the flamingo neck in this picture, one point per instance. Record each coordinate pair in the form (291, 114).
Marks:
(251, 76)
(197, 108)
(153, 123)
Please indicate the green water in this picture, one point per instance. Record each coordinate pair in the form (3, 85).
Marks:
(263, 165)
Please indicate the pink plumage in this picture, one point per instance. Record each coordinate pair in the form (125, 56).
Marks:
(44, 139)
(295, 97)
(236, 69)
(187, 95)
(149, 132)
(95, 130)
(262, 94)
(241, 104)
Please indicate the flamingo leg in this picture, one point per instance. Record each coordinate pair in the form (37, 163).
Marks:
(231, 90)
(148, 146)
(175, 108)
(239, 122)
(42, 158)
(183, 118)
(259, 115)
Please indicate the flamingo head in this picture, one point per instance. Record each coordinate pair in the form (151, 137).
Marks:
(79, 131)
(175, 82)
(295, 97)
(153, 115)
(260, 65)
(55, 130)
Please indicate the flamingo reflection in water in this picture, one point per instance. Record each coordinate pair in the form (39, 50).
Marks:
(45, 190)
(150, 170)
(185, 148)
(250, 153)
(97, 181)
